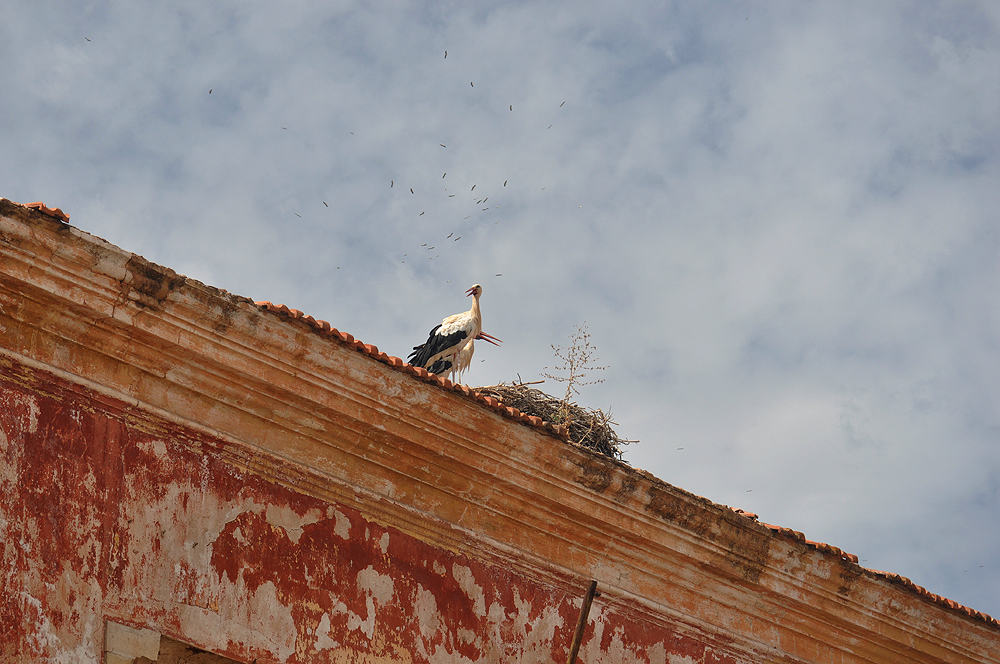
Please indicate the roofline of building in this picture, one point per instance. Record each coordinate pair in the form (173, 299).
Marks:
(310, 407)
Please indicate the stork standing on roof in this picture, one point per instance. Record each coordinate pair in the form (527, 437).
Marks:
(447, 340)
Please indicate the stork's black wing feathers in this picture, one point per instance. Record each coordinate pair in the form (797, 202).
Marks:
(418, 349)
(440, 368)
(435, 344)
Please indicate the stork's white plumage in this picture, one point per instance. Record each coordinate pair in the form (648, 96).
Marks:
(447, 340)
(463, 360)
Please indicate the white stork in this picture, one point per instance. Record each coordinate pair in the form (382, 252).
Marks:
(440, 353)
(463, 360)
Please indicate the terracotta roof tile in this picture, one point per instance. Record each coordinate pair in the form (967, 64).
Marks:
(562, 432)
(52, 212)
(55, 213)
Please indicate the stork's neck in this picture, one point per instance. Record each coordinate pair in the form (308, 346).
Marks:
(475, 311)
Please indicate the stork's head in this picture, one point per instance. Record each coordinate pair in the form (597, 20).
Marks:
(475, 291)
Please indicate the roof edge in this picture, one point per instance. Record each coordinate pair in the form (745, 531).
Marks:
(324, 328)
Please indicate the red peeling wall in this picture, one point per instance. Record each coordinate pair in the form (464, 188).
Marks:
(109, 514)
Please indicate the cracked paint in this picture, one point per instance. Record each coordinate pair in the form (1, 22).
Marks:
(467, 582)
(109, 515)
(323, 636)
(343, 527)
(291, 521)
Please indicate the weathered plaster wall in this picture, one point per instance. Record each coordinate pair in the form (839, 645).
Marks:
(111, 514)
(256, 483)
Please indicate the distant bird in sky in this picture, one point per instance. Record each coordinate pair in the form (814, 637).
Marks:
(463, 360)
(449, 338)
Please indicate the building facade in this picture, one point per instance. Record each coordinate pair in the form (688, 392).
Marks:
(183, 468)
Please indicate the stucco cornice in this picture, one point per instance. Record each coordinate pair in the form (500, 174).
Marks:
(308, 410)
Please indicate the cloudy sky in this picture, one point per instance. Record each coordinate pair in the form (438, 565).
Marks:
(778, 221)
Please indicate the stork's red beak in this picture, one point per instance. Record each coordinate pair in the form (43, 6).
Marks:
(489, 338)
(470, 291)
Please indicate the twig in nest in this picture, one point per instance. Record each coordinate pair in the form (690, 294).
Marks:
(589, 428)
(531, 382)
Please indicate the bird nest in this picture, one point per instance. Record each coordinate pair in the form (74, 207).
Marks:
(588, 428)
